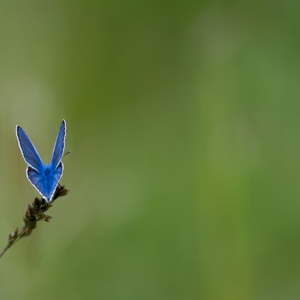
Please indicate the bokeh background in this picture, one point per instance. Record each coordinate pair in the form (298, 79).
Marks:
(183, 121)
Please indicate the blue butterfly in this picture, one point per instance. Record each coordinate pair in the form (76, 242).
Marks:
(42, 176)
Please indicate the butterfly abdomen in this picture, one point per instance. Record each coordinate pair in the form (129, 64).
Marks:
(48, 180)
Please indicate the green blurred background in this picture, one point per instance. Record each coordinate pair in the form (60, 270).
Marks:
(183, 121)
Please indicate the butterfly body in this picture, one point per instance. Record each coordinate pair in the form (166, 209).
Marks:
(44, 177)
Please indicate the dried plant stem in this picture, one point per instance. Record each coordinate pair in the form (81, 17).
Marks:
(34, 213)
(10, 245)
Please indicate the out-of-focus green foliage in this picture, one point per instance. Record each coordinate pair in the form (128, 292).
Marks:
(183, 121)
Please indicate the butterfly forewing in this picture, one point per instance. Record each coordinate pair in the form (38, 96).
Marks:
(29, 153)
(59, 145)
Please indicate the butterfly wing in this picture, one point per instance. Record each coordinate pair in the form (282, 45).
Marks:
(56, 175)
(28, 151)
(59, 146)
(46, 181)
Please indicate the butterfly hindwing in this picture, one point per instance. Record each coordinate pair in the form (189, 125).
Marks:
(35, 178)
(59, 145)
(29, 152)
(45, 181)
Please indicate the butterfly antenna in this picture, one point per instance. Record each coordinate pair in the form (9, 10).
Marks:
(67, 153)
